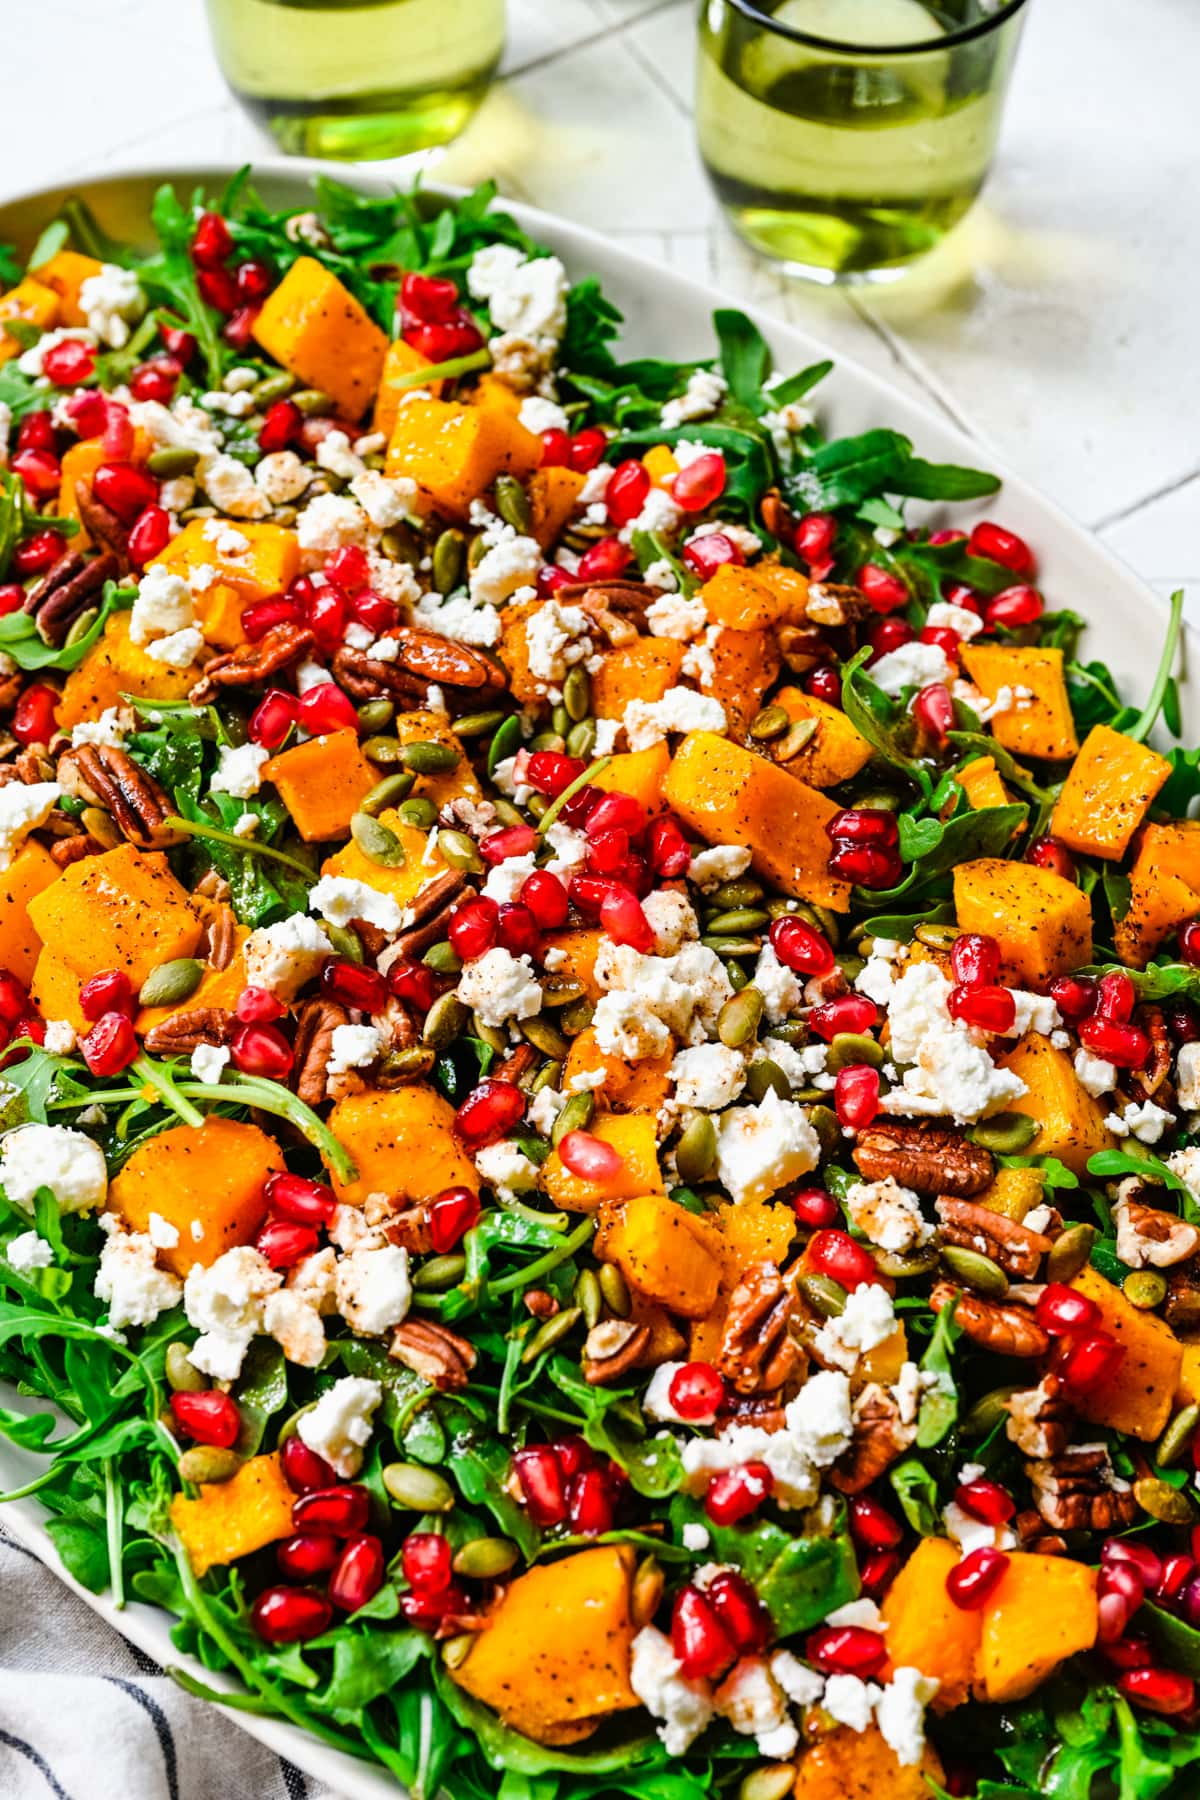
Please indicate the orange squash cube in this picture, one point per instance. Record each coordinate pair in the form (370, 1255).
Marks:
(322, 783)
(667, 1254)
(228, 1519)
(455, 452)
(403, 883)
(32, 869)
(403, 1144)
(313, 326)
(1042, 921)
(745, 663)
(1043, 1610)
(836, 751)
(65, 272)
(31, 301)
(1107, 793)
(580, 948)
(642, 670)
(638, 773)
(218, 987)
(55, 991)
(1070, 1120)
(123, 910)
(458, 783)
(628, 1087)
(861, 1765)
(754, 1231)
(254, 559)
(981, 783)
(1140, 1397)
(401, 360)
(926, 1630)
(751, 599)
(211, 1177)
(633, 1137)
(1039, 724)
(553, 494)
(112, 668)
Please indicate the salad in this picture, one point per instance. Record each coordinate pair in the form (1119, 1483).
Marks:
(600, 1159)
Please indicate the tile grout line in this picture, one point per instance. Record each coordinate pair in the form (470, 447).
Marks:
(1164, 492)
(614, 30)
(651, 70)
(912, 365)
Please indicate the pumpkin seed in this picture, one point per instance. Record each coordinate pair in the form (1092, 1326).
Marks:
(614, 1289)
(551, 1332)
(696, 1150)
(182, 1375)
(1005, 1134)
(456, 1650)
(800, 734)
(377, 843)
(478, 724)
(419, 812)
(581, 739)
(542, 1035)
(576, 1017)
(589, 1297)
(771, 722)
(388, 792)
(771, 1782)
(824, 1295)
(1176, 1438)
(574, 1115)
(546, 1076)
(284, 515)
(172, 982)
(646, 1590)
(824, 1122)
(506, 812)
(385, 750)
(736, 893)
(406, 1065)
(206, 1463)
(458, 850)
(477, 549)
(1170, 1506)
(976, 1270)
(577, 693)
(560, 994)
(988, 1411)
(560, 721)
(417, 1488)
(512, 503)
(903, 1268)
(347, 943)
(737, 977)
(428, 758)
(1070, 1252)
(734, 924)
(171, 461)
(783, 909)
(739, 1018)
(445, 1021)
(536, 805)
(936, 937)
(437, 1273)
(506, 742)
(374, 717)
(402, 543)
(881, 800)
(81, 626)
(489, 1034)
(1145, 1289)
(766, 1077)
(483, 1559)
(313, 402)
(737, 947)
(848, 1048)
(548, 740)
(271, 388)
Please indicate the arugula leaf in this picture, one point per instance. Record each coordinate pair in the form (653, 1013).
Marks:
(850, 470)
(800, 1579)
(1141, 727)
(916, 1490)
(19, 635)
(745, 357)
(169, 279)
(939, 1404)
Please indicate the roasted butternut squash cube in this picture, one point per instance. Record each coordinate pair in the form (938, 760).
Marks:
(314, 327)
(211, 1178)
(513, 650)
(752, 598)
(403, 1144)
(1140, 1397)
(836, 751)
(667, 1254)
(458, 783)
(401, 360)
(744, 666)
(123, 910)
(32, 869)
(642, 670)
(403, 883)
(1159, 904)
(65, 272)
(553, 1659)
(981, 783)
(114, 667)
(1106, 794)
(1039, 722)
(553, 494)
(638, 773)
(55, 991)
(454, 452)
(493, 390)
(1070, 1120)
(1187, 1392)
(1013, 1192)
(1172, 847)
(228, 1519)
(661, 464)
(579, 949)
(754, 1231)
(628, 1086)
(1042, 921)
(633, 1137)
(322, 784)
(218, 987)
(861, 1765)
(731, 795)
(256, 560)
(31, 301)
(926, 1630)
(1043, 1610)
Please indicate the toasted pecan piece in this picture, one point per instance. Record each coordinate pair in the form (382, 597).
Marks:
(927, 1158)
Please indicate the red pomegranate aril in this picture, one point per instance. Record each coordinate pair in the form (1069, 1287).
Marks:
(1001, 546)
(702, 1646)
(258, 1006)
(348, 568)
(976, 1577)
(272, 719)
(1189, 1601)
(947, 640)
(1061, 1310)
(33, 720)
(149, 535)
(1147, 1563)
(359, 1574)
(616, 812)
(701, 483)
(474, 928)
(374, 611)
(239, 329)
(513, 840)
(546, 898)
(210, 1417)
(280, 426)
(442, 342)
(517, 929)
(156, 379)
(433, 299)
(108, 991)
(884, 591)
(70, 363)
(1125, 1045)
(1164, 1691)
(1183, 1022)
(947, 536)
(110, 1045)
(125, 490)
(814, 536)
(1088, 1361)
(284, 1243)
(14, 999)
(12, 598)
(1015, 607)
(490, 1110)
(865, 825)
(261, 1050)
(1116, 996)
(550, 580)
(850, 1012)
(705, 555)
(587, 892)
(975, 959)
(88, 413)
(218, 289)
(556, 448)
(590, 1508)
(1127, 1652)
(306, 1556)
(264, 615)
(1176, 1571)
(39, 470)
(846, 1650)
(621, 916)
(297, 1198)
(325, 708)
(287, 1615)
(426, 1558)
(180, 344)
(986, 1500)
(872, 1525)
(823, 683)
(254, 280)
(413, 983)
(800, 946)
(303, 1470)
(740, 1611)
(429, 1611)
(573, 1455)
(815, 1208)
(337, 1511)
(326, 615)
(1120, 1591)
(866, 865)
(986, 1008)
(878, 1570)
(352, 984)
(30, 1027)
(36, 554)
(606, 559)
(451, 1214)
(626, 492)
(589, 1157)
(211, 241)
(549, 771)
(587, 448)
(837, 1255)
(933, 710)
(577, 806)
(119, 435)
(36, 432)
(697, 1392)
(1074, 996)
(856, 1095)
(669, 851)
(540, 1477)
(887, 636)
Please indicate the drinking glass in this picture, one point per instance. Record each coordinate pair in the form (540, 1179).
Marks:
(846, 137)
(359, 78)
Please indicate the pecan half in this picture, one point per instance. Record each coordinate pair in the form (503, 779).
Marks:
(427, 920)
(1151, 1082)
(926, 1158)
(278, 649)
(184, 1032)
(1030, 1528)
(112, 779)
(613, 1350)
(516, 1065)
(1078, 1491)
(1039, 1418)
(316, 1023)
(880, 1436)
(995, 1324)
(366, 678)
(68, 588)
(397, 1022)
(757, 1355)
(410, 1229)
(422, 656)
(437, 1355)
(616, 608)
(1148, 1238)
(830, 603)
(776, 514)
(1018, 1250)
(220, 938)
(102, 525)
(213, 886)
(73, 849)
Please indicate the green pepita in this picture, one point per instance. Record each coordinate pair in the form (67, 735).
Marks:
(936, 937)
(205, 1463)
(458, 850)
(560, 721)
(456, 1650)
(1005, 1134)
(739, 1018)
(512, 503)
(766, 1077)
(559, 991)
(418, 812)
(428, 758)
(1170, 1506)
(548, 740)
(903, 1268)
(771, 722)
(576, 1017)
(736, 923)
(696, 1150)
(445, 1021)
(478, 724)
(102, 826)
(849, 1048)
(737, 947)
(492, 1035)
(1177, 1437)
(182, 1374)
(417, 1488)
(589, 1297)
(1145, 1289)
(171, 462)
(81, 626)
(485, 1559)
(384, 750)
(506, 742)
(737, 977)
(506, 812)
(551, 1332)
(437, 1273)
(172, 982)
(824, 1295)
(346, 942)
(402, 543)
(577, 693)
(374, 717)
(978, 1272)
(411, 1064)
(449, 554)
(377, 843)
(272, 388)
(388, 792)
(574, 1115)
(772, 1782)
(824, 1122)
(539, 1032)
(1070, 1252)
(798, 736)
(988, 1412)
(736, 893)
(614, 1289)
(581, 740)
(313, 402)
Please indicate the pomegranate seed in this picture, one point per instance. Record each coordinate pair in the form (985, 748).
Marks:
(12, 598)
(240, 328)
(1015, 607)
(517, 929)
(539, 1474)
(261, 1050)
(489, 1111)
(280, 426)
(986, 1500)
(149, 535)
(607, 852)
(696, 1392)
(284, 1243)
(550, 580)
(348, 568)
(933, 710)
(872, 1525)
(669, 851)
(36, 432)
(975, 959)
(14, 999)
(33, 720)
(587, 448)
(211, 241)
(550, 772)
(626, 491)
(701, 483)
(110, 1045)
(1183, 1022)
(326, 708)
(947, 537)
(972, 1582)
(285, 1615)
(835, 1254)
(305, 1471)
(218, 289)
(823, 683)
(846, 1650)
(588, 891)
(1116, 997)
(865, 825)
(473, 929)
(1062, 1310)
(119, 437)
(413, 983)
(800, 947)
(431, 299)
(180, 344)
(210, 1417)
(621, 916)
(326, 615)
(1074, 996)
(556, 448)
(70, 363)
(1127, 1652)
(107, 992)
(514, 840)
(351, 984)
(705, 555)
(37, 553)
(947, 640)
(1088, 1361)
(851, 1012)
(427, 1560)
(1001, 546)
(1159, 1690)
(306, 1556)
(986, 1008)
(374, 611)
(264, 615)
(878, 1570)
(578, 805)
(1138, 1555)
(588, 1157)
(856, 1095)
(428, 1611)
(866, 865)
(1176, 1571)
(125, 490)
(452, 1213)
(546, 898)
(1189, 1601)
(573, 1455)
(39, 470)
(590, 1507)
(254, 280)
(337, 1511)
(740, 1611)
(1120, 1592)
(156, 379)
(815, 1208)
(884, 591)
(1125, 1045)
(88, 413)
(358, 1576)
(605, 561)
(297, 1198)
(273, 719)
(615, 812)
(1189, 942)
(700, 1641)
(887, 636)
(458, 336)
(258, 1006)
(814, 537)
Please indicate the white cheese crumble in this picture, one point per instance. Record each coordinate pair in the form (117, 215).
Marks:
(354, 1047)
(284, 956)
(720, 863)
(207, 1062)
(912, 665)
(225, 1304)
(373, 1289)
(56, 1157)
(888, 1215)
(499, 987)
(340, 901)
(684, 1706)
(129, 1280)
(701, 397)
(649, 722)
(761, 1148)
(867, 1321)
(709, 1076)
(27, 1252)
(339, 1425)
(239, 769)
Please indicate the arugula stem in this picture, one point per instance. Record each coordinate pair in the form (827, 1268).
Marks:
(214, 834)
(556, 805)
(1144, 722)
(533, 1272)
(157, 1077)
(443, 371)
(114, 1510)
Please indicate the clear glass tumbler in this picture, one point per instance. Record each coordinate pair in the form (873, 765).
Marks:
(359, 79)
(846, 137)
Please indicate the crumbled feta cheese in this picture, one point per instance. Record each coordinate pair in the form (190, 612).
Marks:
(239, 769)
(754, 1704)
(282, 476)
(657, 1403)
(509, 565)
(354, 1047)
(1187, 1076)
(648, 722)
(951, 1074)
(112, 727)
(538, 415)
(1033, 1012)
(802, 1685)
(330, 522)
(695, 1536)
(888, 1215)
(225, 1304)
(949, 617)
(526, 296)
(1144, 1121)
(230, 485)
(340, 901)
(385, 499)
(60, 1037)
(900, 1713)
(334, 453)
(499, 987)
(661, 575)
(162, 1234)
(713, 867)
(207, 1062)
(673, 616)
(710, 1076)
(649, 998)
(787, 420)
(28, 1252)
(670, 918)
(179, 650)
(684, 1706)
(295, 1324)
(506, 879)
(782, 991)
(867, 1321)
(234, 406)
(968, 1532)
(163, 606)
(658, 515)
(505, 1167)
(283, 956)
(701, 398)
(913, 665)
(1095, 1074)
(130, 1281)
(56, 1157)
(373, 1289)
(556, 637)
(339, 1425)
(458, 618)
(818, 1418)
(761, 1148)
(246, 825)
